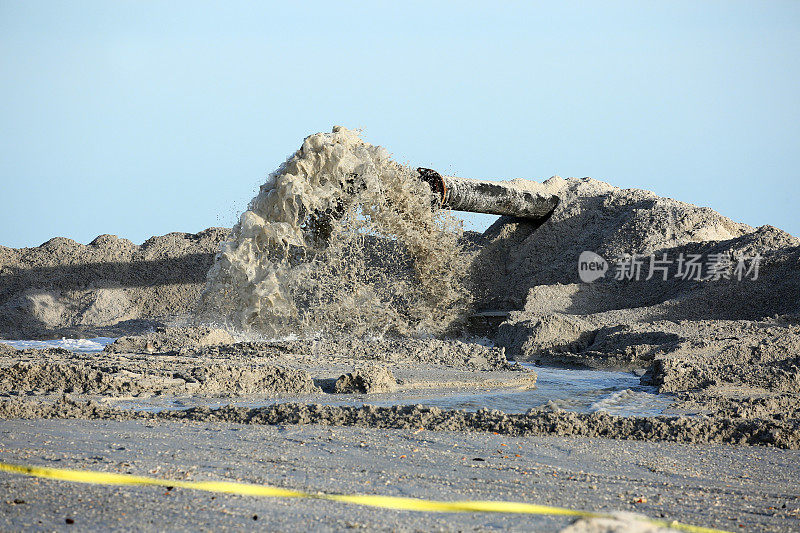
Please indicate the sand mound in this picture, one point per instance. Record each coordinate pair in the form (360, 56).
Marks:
(105, 288)
(718, 334)
(534, 269)
(171, 340)
(365, 380)
(517, 256)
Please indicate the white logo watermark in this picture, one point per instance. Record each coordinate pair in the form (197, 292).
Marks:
(591, 267)
(690, 267)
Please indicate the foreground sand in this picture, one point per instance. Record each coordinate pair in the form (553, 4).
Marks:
(712, 485)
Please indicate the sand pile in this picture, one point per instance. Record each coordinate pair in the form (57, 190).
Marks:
(716, 333)
(171, 340)
(340, 239)
(365, 380)
(534, 269)
(106, 288)
(534, 266)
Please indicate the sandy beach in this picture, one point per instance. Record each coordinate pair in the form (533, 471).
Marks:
(333, 341)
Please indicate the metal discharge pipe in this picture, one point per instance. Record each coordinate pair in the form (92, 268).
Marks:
(475, 196)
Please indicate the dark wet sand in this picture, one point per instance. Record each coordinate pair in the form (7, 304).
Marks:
(711, 485)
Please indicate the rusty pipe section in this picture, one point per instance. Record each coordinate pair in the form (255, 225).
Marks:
(475, 196)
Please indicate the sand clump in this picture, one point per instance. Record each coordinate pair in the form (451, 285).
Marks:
(367, 379)
(619, 522)
(340, 239)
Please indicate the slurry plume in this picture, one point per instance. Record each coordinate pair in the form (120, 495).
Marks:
(340, 239)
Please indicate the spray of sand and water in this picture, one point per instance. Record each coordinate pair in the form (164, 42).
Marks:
(340, 238)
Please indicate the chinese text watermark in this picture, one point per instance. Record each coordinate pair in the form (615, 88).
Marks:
(683, 266)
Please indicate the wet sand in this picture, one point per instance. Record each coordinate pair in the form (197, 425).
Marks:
(711, 485)
(329, 383)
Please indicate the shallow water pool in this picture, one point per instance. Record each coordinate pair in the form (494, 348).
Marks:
(582, 391)
(74, 345)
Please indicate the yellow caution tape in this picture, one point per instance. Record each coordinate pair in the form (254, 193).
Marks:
(370, 500)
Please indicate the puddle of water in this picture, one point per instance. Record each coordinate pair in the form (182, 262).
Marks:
(582, 391)
(74, 345)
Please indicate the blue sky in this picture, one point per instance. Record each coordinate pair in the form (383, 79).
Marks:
(141, 118)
